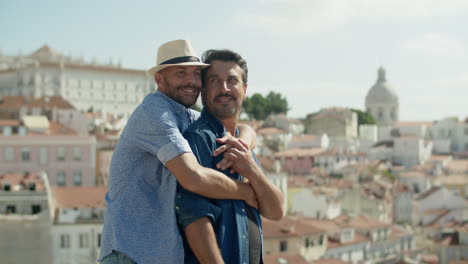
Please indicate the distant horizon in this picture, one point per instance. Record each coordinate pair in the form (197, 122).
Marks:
(318, 54)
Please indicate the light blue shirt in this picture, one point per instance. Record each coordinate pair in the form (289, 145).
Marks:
(140, 220)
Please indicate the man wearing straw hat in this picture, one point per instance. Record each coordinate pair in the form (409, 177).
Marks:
(151, 156)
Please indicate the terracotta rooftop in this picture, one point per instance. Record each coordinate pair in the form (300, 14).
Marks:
(330, 261)
(284, 259)
(288, 227)
(401, 188)
(439, 157)
(414, 174)
(414, 123)
(79, 197)
(458, 165)
(254, 124)
(427, 193)
(459, 179)
(339, 183)
(16, 102)
(430, 258)
(358, 238)
(10, 122)
(300, 181)
(398, 231)
(337, 152)
(22, 180)
(361, 222)
(55, 128)
(299, 152)
(270, 130)
(304, 138)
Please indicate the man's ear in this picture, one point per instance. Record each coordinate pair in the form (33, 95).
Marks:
(245, 91)
(157, 77)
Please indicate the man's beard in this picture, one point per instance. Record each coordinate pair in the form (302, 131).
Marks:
(223, 111)
(176, 93)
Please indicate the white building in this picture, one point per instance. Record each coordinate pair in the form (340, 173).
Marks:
(76, 229)
(106, 88)
(433, 199)
(450, 135)
(24, 219)
(285, 123)
(341, 123)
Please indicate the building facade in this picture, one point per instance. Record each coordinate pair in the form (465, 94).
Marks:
(106, 88)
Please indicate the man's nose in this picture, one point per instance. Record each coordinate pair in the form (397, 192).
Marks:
(224, 86)
(192, 79)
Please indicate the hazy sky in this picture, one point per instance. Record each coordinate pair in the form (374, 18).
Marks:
(318, 53)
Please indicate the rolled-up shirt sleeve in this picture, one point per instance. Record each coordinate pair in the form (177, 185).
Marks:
(157, 131)
(190, 207)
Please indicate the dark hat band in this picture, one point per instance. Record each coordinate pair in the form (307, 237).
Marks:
(181, 60)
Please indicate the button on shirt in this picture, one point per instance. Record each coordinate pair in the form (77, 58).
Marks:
(229, 217)
(140, 220)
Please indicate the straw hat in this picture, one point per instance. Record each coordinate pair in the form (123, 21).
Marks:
(177, 52)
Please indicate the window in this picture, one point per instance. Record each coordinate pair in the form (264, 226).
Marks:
(43, 156)
(99, 240)
(10, 209)
(61, 180)
(60, 153)
(307, 242)
(32, 186)
(25, 154)
(36, 208)
(6, 186)
(9, 153)
(64, 241)
(77, 178)
(7, 131)
(76, 153)
(22, 131)
(84, 240)
(283, 246)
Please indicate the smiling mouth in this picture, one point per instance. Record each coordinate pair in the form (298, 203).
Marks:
(190, 91)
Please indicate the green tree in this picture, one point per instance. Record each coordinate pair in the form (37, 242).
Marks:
(364, 118)
(256, 106)
(259, 107)
(278, 103)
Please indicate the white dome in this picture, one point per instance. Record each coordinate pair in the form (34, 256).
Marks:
(381, 91)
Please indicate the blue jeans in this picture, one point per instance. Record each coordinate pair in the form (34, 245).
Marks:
(117, 258)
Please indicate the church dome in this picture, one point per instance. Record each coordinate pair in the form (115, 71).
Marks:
(381, 91)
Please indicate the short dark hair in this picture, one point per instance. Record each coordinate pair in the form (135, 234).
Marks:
(225, 55)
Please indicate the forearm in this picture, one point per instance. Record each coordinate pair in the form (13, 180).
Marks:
(202, 240)
(270, 198)
(214, 184)
(207, 182)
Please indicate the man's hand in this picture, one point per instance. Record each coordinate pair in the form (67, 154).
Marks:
(229, 142)
(242, 160)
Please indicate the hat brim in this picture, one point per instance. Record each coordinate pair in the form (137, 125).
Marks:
(157, 68)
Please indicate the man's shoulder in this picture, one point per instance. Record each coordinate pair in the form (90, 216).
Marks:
(154, 106)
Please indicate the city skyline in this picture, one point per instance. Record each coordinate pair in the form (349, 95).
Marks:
(316, 53)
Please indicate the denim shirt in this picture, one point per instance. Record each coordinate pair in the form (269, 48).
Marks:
(229, 217)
